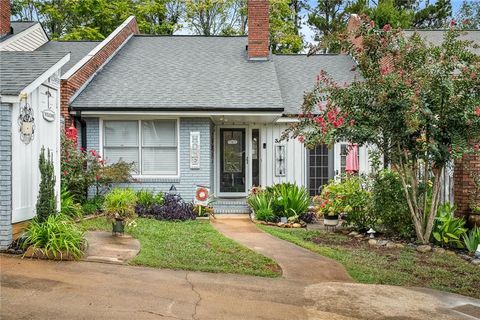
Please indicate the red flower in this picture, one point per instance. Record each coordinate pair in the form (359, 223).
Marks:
(64, 173)
(97, 177)
(301, 139)
(387, 27)
(476, 147)
(453, 23)
(477, 111)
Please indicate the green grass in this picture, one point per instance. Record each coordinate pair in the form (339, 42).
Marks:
(405, 267)
(190, 245)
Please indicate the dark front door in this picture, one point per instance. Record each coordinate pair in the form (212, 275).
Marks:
(232, 161)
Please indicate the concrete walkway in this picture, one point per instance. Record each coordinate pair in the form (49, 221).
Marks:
(103, 247)
(39, 289)
(297, 263)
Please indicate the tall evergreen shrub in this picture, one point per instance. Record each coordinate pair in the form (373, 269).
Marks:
(46, 201)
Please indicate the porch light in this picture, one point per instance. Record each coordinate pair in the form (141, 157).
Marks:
(371, 232)
(173, 190)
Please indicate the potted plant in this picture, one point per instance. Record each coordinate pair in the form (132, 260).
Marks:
(119, 207)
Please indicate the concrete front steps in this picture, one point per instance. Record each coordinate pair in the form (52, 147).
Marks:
(230, 206)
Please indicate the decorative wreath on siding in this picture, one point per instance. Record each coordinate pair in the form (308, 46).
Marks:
(201, 194)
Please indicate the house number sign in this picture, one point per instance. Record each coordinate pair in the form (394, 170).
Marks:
(195, 150)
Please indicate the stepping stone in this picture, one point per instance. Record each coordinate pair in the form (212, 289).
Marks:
(107, 248)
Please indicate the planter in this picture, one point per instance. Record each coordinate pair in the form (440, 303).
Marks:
(36, 253)
(474, 220)
(330, 221)
(118, 227)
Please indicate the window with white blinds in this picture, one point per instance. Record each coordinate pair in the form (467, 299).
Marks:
(151, 144)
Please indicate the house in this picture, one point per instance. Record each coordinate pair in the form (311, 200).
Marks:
(207, 111)
(29, 120)
(37, 79)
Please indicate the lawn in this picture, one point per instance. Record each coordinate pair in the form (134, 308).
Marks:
(190, 245)
(379, 265)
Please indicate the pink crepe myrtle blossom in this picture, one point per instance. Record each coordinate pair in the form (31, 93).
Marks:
(387, 27)
(477, 111)
(301, 139)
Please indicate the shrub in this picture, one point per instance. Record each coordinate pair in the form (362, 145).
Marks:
(146, 199)
(289, 199)
(308, 217)
(120, 204)
(82, 169)
(174, 208)
(93, 205)
(390, 206)
(46, 201)
(265, 214)
(448, 230)
(472, 239)
(68, 206)
(348, 196)
(56, 235)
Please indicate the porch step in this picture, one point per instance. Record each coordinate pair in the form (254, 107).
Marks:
(230, 206)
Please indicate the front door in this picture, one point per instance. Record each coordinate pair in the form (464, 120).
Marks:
(232, 161)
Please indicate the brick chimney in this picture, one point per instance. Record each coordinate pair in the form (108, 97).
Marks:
(354, 23)
(258, 30)
(4, 17)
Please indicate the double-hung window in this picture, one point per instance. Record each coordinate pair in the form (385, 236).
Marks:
(151, 144)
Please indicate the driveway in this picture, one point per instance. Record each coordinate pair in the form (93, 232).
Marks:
(35, 289)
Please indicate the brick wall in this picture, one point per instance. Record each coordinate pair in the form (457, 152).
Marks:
(5, 176)
(71, 85)
(4, 17)
(463, 183)
(258, 29)
(189, 178)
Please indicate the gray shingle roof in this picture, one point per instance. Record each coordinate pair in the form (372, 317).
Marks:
(19, 69)
(77, 49)
(183, 72)
(17, 27)
(436, 36)
(298, 73)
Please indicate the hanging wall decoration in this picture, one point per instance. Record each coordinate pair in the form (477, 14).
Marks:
(26, 121)
(49, 113)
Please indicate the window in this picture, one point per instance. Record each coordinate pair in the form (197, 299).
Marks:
(151, 144)
(318, 165)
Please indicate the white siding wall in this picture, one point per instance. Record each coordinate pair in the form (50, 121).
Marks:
(28, 40)
(295, 157)
(25, 173)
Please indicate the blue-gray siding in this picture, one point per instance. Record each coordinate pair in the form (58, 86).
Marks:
(5, 175)
(189, 178)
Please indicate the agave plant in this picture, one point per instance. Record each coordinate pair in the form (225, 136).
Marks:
(290, 199)
(472, 239)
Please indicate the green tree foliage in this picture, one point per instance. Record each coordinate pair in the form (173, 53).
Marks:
(284, 33)
(436, 15)
(421, 109)
(468, 15)
(46, 200)
(212, 17)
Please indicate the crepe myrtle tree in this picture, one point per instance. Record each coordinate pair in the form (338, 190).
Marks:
(417, 103)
